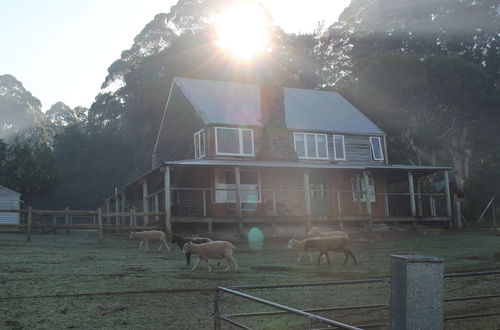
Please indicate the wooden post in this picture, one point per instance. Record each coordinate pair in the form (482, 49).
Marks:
(28, 230)
(157, 208)
(66, 216)
(494, 215)
(307, 192)
(204, 203)
(108, 210)
(368, 202)
(99, 222)
(420, 209)
(238, 190)
(274, 203)
(145, 204)
(412, 194)
(117, 210)
(133, 216)
(359, 194)
(448, 195)
(458, 214)
(54, 222)
(210, 226)
(123, 205)
(339, 204)
(166, 184)
(386, 204)
(132, 222)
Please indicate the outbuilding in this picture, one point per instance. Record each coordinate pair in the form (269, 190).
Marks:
(9, 200)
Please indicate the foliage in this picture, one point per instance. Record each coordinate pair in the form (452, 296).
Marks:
(27, 168)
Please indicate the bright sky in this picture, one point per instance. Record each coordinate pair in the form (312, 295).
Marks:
(60, 50)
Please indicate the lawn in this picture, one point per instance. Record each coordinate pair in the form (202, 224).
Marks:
(70, 281)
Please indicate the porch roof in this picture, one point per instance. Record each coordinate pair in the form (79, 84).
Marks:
(258, 163)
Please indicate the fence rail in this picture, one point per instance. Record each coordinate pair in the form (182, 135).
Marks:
(219, 316)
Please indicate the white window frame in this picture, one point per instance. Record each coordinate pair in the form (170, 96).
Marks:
(240, 140)
(199, 148)
(227, 200)
(372, 138)
(315, 144)
(355, 190)
(335, 148)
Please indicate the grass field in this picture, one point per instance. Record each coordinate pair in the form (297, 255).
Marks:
(70, 281)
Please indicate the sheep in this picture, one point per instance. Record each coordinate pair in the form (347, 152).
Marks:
(212, 250)
(315, 232)
(299, 245)
(335, 244)
(151, 235)
(181, 241)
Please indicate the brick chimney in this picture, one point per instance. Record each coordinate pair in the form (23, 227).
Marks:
(276, 141)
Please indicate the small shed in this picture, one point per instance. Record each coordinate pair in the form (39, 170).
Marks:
(9, 200)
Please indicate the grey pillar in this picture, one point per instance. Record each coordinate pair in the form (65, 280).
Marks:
(448, 196)
(145, 204)
(417, 292)
(412, 194)
(166, 185)
(307, 192)
(238, 190)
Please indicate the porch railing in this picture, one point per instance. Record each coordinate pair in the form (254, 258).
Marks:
(208, 202)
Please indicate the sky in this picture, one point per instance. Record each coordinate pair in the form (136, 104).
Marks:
(60, 50)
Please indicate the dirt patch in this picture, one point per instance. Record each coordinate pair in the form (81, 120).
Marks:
(110, 311)
(272, 269)
(136, 269)
(86, 258)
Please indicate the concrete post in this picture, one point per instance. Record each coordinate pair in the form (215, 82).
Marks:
(417, 292)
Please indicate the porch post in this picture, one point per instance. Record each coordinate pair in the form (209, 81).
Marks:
(166, 187)
(307, 192)
(412, 194)
(367, 194)
(117, 210)
(157, 208)
(419, 198)
(238, 190)
(108, 210)
(124, 201)
(447, 190)
(145, 204)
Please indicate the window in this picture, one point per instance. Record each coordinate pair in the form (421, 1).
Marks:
(234, 141)
(376, 143)
(225, 186)
(358, 189)
(199, 144)
(311, 146)
(338, 147)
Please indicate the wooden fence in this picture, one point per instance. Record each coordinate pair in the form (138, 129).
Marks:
(81, 220)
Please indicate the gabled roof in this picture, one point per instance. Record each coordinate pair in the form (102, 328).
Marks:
(9, 190)
(230, 103)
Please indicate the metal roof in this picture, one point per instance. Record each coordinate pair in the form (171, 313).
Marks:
(9, 190)
(231, 103)
(256, 163)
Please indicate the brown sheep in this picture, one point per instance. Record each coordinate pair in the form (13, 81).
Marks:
(334, 244)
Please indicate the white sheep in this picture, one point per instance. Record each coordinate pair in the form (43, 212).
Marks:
(151, 235)
(212, 250)
(315, 232)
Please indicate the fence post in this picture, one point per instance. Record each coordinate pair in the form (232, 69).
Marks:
(417, 292)
(66, 215)
(54, 222)
(28, 230)
(99, 221)
(218, 295)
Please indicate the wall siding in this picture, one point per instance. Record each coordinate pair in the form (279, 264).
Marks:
(181, 121)
(9, 200)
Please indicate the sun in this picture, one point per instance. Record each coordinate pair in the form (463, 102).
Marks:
(242, 30)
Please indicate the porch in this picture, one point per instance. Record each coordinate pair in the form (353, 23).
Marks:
(279, 193)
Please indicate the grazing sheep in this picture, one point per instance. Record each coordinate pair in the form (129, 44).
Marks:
(212, 250)
(334, 244)
(181, 241)
(315, 232)
(299, 245)
(151, 235)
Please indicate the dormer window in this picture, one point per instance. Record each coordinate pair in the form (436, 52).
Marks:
(199, 144)
(311, 145)
(234, 141)
(376, 143)
(338, 147)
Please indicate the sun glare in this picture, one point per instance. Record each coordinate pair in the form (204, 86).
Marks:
(242, 30)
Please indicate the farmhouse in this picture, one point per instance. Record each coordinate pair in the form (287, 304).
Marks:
(9, 200)
(216, 162)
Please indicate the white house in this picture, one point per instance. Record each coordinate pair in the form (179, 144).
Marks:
(9, 199)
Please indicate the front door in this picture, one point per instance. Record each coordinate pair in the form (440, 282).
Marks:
(320, 196)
